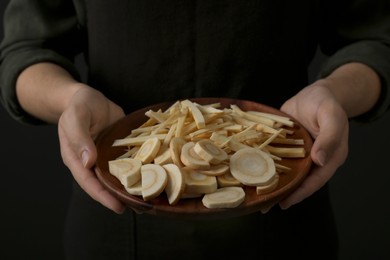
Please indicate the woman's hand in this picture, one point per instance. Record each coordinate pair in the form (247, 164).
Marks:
(318, 110)
(324, 108)
(87, 114)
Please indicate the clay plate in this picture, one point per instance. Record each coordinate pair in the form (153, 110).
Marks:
(193, 208)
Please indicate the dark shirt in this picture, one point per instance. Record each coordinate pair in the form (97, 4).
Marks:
(143, 52)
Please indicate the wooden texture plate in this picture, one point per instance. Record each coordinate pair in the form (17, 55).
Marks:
(193, 208)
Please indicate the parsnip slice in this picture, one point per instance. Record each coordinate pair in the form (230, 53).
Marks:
(135, 189)
(227, 180)
(126, 170)
(154, 180)
(252, 167)
(191, 159)
(197, 183)
(163, 157)
(148, 150)
(209, 152)
(228, 197)
(216, 170)
(266, 188)
(175, 186)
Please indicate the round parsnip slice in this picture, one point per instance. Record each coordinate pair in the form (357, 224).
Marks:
(175, 146)
(209, 152)
(266, 188)
(148, 150)
(126, 170)
(197, 183)
(154, 179)
(252, 167)
(191, 159)
(228, 197)
(175, 185)
(216, 170)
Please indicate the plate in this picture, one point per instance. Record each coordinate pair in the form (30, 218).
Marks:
(193, 208)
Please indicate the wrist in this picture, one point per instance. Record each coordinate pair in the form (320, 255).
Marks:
(355, 86)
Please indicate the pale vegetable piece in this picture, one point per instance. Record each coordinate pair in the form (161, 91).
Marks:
(227, 197)
(209, 152)
(216, 170)
(139, 140)
(252, 117)
(135, 189)
(129, 153)
(175, 185)
(154, 179)
(289, 141)
(126, 170)
(198, 183)
(191, 159)
(282, 168)
(175, 147)
(252, 167)
(195, 112)
(227, 180)
(267, 188)
(180, 122)
(287, 152)
(270, 139)
(148, 150)
(280, 119)
(158, 116)
(163, 157)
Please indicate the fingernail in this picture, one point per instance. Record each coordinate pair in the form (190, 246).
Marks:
(321, 155)
(84, 158)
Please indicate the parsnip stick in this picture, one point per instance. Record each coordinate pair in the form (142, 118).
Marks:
(132, 141)
(287, 152)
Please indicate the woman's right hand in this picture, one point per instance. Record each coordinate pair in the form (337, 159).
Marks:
(88, 112)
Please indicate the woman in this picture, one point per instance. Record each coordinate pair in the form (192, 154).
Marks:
(143, 52)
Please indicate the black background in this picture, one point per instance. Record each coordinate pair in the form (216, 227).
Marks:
(35, 189)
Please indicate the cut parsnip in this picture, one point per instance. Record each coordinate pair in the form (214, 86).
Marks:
(191, 159)
(216, 170)
(266, 188)
(228, 197)
(126, 170)
(154, 179)
(163, 157)
(175, 147)
(209, 152)
(139, 140)
(197, 183)
(252, 167)
(175, 185)
(135, 189)
(227, 180)
(148, 150)
(287, 152)
(196, 114)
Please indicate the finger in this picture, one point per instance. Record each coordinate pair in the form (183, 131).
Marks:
(319, 175)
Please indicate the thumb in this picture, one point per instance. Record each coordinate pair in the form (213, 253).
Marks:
(76, 141)
(333, 125)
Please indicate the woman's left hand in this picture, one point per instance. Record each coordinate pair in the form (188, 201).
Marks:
(319, 111)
